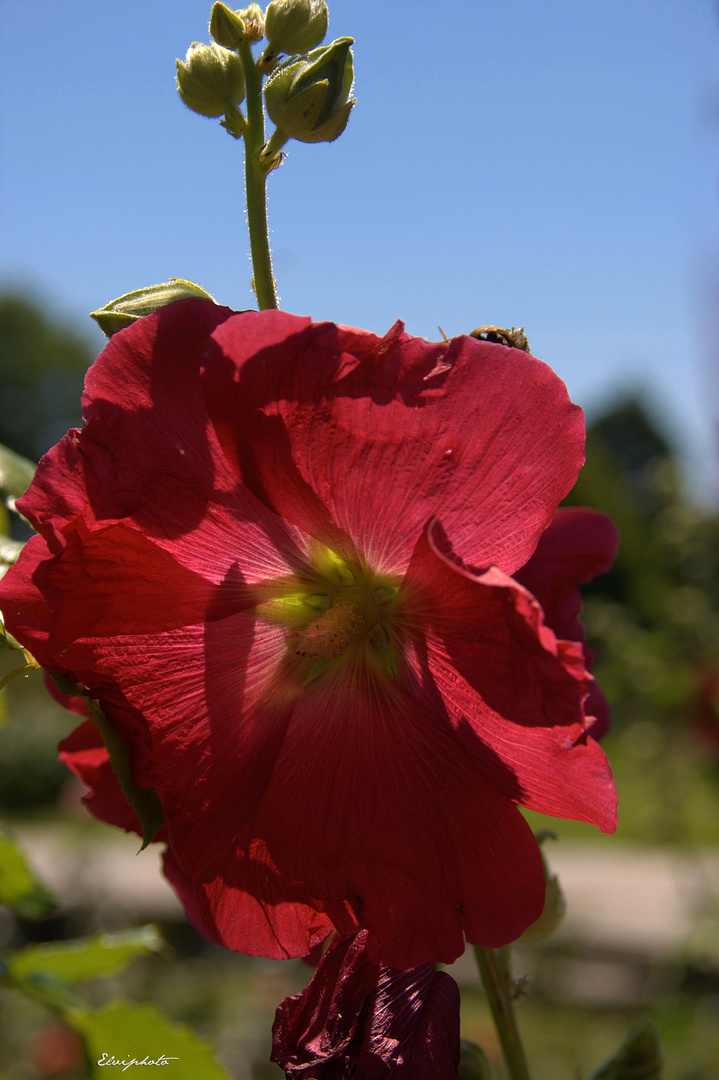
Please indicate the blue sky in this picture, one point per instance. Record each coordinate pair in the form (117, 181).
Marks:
(551, 163)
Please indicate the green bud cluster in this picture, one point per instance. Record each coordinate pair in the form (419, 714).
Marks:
(307, 96)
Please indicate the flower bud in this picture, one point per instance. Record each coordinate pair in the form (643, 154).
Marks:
(640, 1057)
(295, 26)
(307, 97)
(226, 26)
(209, 78)
(133, 305)
(254, 22)
(473, 1062)
(554, 902)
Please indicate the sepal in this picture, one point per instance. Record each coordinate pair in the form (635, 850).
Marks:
(226, 26)
(143, 800)
(554, 902)
(134, 305)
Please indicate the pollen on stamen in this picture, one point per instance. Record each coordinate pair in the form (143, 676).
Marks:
(327, 637)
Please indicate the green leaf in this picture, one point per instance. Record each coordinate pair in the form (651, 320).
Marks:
(87, 958)
(53, 993)
(16, 472)
(640, 1056)
(127, 1031)
(144, 801)
(19, 888)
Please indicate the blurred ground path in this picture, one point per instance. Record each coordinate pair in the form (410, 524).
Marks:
(626, 904)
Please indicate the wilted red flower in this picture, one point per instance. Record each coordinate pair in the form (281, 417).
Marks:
(279, 554)
(357, 1019)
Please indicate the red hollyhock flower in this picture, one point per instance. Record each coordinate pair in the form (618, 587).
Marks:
(357, 1019)
(279, 553)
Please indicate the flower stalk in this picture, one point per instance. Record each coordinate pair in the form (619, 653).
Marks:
(497, 981)
(263, 279)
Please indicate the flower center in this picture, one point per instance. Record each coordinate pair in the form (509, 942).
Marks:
(328, 636)
(354, 611)
(340, 607)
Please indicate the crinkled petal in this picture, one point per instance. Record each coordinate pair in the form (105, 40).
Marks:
(579, 545)
(479, 649)
(355, 1018)
(376, 804)
(350, 435)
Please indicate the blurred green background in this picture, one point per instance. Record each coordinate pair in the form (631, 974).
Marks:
(654, 622)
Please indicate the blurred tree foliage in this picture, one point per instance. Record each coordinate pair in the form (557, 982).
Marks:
(42, 364)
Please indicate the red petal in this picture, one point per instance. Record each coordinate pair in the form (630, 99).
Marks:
(113, 578)
(75, 705)
(85, 755)
(511, 690)
(144, 422)
(25, 610)
(253, 907)
(186, 893)
(373, 802)
(217, 701)
(147, 454)
(357, 1018)
(346, 434)
(579, 545)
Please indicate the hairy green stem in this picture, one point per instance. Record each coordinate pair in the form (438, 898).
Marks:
(263, 279)
(497, 982)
